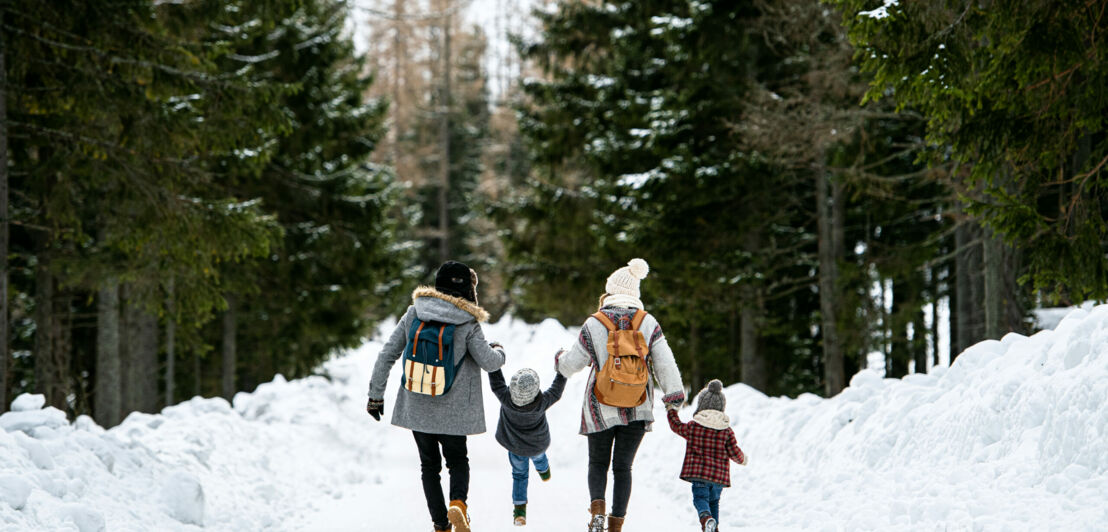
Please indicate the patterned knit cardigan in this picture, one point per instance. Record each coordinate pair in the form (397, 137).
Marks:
(591, 349)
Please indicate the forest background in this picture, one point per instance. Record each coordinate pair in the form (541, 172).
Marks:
(196, 196)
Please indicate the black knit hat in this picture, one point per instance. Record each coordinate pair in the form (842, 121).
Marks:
(457, 279)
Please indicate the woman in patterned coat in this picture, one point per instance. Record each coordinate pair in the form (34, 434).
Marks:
(615, 433)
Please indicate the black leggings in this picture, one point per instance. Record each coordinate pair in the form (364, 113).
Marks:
(616, 446)
(430, 461)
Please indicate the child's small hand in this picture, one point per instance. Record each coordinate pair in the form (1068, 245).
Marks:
(558, 357)
(671, 406)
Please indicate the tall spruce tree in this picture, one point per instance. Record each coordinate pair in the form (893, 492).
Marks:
(634, 137)
(1010, 91)
(113, 110)
(338, 268)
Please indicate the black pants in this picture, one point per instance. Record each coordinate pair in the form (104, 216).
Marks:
(616, 446)
(430, 461)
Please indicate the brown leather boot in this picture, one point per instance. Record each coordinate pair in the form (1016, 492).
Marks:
(615, 524)
(458, 514)
(596, 515)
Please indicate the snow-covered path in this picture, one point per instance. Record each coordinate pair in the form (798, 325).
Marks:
(1014, 436)
(555, 505)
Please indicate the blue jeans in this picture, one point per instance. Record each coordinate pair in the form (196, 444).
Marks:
(705, 498)
(520, 472)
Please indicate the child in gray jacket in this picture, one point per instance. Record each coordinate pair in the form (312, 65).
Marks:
(523, 430)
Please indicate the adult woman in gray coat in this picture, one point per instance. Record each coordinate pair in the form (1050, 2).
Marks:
(441, 422)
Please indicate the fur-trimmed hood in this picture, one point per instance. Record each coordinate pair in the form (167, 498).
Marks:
(430, 305)
(713, 419)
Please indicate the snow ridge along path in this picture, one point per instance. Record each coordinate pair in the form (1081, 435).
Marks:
(1013, 436)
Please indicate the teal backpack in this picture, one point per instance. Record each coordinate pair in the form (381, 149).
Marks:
(429, 366)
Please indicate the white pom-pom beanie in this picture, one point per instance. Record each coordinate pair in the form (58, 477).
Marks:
(623, 284)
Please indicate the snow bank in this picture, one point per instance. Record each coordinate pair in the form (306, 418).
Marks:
(202, 463)
(1013, 436)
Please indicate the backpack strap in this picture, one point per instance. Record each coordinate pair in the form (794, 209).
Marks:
(441, 330)
(605, 320)
(636, 322)
(415, 338)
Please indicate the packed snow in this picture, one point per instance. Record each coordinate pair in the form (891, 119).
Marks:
(1013, 436)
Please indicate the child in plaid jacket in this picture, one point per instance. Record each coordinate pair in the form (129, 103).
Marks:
(710, 445)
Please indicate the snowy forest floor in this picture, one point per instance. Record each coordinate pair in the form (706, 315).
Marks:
(1014, 436)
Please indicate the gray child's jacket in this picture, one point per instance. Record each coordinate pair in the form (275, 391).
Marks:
(460, 411)
(522, 429)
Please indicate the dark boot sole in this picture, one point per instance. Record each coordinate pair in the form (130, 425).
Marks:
(597, 524)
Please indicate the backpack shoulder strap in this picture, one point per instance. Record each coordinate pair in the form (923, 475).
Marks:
(605, 320)
(414, 330)
(636, 321)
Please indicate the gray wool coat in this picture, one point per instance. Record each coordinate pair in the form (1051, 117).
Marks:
(460, 411)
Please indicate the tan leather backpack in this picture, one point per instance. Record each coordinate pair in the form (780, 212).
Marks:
(622, 382)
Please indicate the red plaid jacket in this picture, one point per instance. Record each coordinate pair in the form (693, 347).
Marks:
(707, 451)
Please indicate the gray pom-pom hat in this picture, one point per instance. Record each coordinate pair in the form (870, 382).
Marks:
(711, 397)
(524, 387)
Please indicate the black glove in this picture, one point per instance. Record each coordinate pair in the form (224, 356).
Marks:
(376, 408)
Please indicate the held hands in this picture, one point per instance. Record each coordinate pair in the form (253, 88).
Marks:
(376, 408)
(497, 346)
(674, 400)
(558, 358)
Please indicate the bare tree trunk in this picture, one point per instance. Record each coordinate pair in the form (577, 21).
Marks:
(935, 297)
(1014, 307)
(197, 375)
(67, 383)
(919, 334)
(969, 286)
(5, 355)
(128, 390)
(399, 56)
(46, 370)
(148, 334)
(170, 343)
(995, 312)
(834, 378)
(753, 365)
(952, 280)
(141, 337)
(896, 363)
(732, 344)
(444, 163)
(108, 404)
(229, 355)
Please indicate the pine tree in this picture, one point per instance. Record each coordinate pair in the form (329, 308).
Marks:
(338, 268)
(111, 124)
(635, 134)
(1006, 91)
